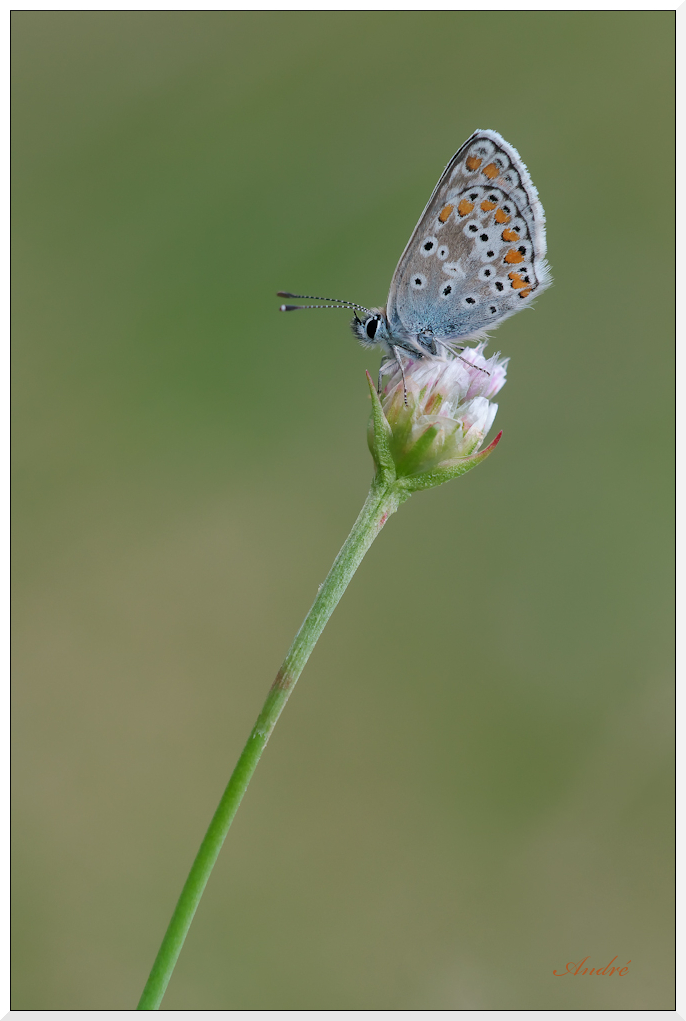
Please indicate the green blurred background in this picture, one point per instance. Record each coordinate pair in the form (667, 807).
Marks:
(472, 783)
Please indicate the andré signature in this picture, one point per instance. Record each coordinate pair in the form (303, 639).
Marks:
(577, 969)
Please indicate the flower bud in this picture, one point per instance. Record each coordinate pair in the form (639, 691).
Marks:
(431, 428)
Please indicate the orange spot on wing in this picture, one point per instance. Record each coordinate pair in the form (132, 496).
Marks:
(490, 171)
(510, 235)
(465, 207)
(486, 205)
(501, 217)
(526, 293)
(513, 256)
(517, 280)
(473, 162)
(445, 213)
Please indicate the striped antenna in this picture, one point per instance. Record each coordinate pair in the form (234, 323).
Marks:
(340, 302)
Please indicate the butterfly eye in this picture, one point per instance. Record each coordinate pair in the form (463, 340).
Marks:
(417, 281)
(428, 246)
(371, 326)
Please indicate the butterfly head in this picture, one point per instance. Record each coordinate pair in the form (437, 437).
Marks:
(372, 329)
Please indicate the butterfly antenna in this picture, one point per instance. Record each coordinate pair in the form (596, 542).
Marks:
(340, 302)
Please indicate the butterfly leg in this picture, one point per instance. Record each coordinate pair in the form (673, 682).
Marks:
(396, 352)
(449, 347)
(383, 368)
(472, 365)
(457, 352)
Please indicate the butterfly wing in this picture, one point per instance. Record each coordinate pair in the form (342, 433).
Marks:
(477, 254)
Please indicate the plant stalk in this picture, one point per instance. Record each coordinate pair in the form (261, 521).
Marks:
(383, 499)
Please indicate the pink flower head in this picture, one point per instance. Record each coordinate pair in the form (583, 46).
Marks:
(444, 411)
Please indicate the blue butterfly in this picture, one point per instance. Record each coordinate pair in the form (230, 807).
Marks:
(475, 258)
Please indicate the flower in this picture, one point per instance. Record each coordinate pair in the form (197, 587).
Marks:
(431, 428)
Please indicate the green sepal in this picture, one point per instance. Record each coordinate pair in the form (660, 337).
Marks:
(418, 452)
(446, 470)
(379, 438)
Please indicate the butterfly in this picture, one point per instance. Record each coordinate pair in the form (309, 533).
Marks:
(475, 258)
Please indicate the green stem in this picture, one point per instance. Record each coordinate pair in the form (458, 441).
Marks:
(383, 499)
